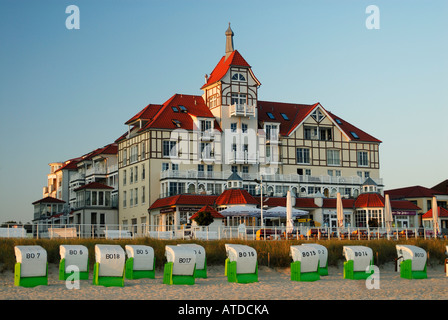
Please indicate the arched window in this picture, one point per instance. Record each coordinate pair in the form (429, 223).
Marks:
(191, 188)
(238, 77)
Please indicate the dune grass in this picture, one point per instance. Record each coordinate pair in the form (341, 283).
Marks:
(270, 253)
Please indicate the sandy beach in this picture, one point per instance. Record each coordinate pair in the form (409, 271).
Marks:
(273, 284)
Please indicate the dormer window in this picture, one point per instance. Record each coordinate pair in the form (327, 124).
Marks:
(205, 125)
(271, 131)
(175, 109)
(270, 115)
(183, 109)
(354, 135)
(238, 77)
(177, 123)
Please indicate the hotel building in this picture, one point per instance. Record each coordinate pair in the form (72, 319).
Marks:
(188, 147)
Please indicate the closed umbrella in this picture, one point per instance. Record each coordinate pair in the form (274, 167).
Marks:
(289, 221)
(339, 211)
(388, 219)
(435, 216)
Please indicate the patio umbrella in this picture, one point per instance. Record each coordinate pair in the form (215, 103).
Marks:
(240, 211)
(388, 219)
(281, 212)
(289, 222)
(435, 216)
(339, 211)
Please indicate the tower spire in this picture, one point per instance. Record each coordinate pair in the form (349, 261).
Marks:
(229, 41)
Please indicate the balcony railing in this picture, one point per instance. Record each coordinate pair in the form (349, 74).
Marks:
(101, 170)
(242, 157)
(44, 229)
(242, 110)
(224, 175)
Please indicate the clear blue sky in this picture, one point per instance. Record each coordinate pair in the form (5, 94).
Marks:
(64, 93)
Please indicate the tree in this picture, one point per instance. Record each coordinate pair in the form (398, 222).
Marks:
(204, 218)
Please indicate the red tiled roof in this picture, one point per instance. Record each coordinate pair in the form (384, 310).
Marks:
(108, 149)
(48, 200)
(207, 208)
(441, 187)
(195, 106)
(184, 199)
(369, 200)
(348, 128)
(296, 113)
(94, 185)
(147, 113)
(331, 203)
(411, 192)
(305, 203)
(272, 201)
(375, 200)
(121, 137)
(442, 213)
(235, 59)
(281, 202)
(70, 164)
(235, 196)
(403, 205)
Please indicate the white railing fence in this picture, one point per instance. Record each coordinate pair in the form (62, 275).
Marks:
(215, 232)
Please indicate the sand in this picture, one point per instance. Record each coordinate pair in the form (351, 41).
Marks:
(274, 284)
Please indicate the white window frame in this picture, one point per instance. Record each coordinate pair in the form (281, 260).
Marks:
(331, 159)
(172, 145)
(363, 158)
(303, 155)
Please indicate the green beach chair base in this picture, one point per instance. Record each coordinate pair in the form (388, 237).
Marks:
(83, 275)
(28, 282)
(232, 276)
(169, 278)
(106, 281)
(201, 273)
(132, 274)
(323, 271)
(407, 273)
(349, 273)
(297, 275)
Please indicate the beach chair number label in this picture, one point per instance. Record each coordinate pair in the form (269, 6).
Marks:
(141, 251)
(419, 255)
(112, 256)
(74, 252)
(32, 255)
(246, 254)
(184, 260)
(308, 254)
(361, 254)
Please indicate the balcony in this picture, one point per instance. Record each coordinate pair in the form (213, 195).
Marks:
(96, 171)
(245, 157)
(273, 160)
(277, 178)
(207, 135)
(242, 110)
